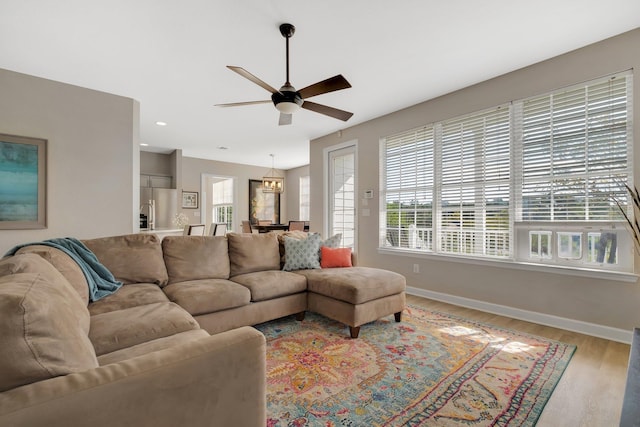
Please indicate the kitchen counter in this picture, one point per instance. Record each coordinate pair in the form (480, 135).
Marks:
(162, 232)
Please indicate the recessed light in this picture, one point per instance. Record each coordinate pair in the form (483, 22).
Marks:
(161, 123)
(142, 144)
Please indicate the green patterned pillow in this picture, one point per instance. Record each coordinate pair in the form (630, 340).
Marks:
(332, 242)
(301, 254)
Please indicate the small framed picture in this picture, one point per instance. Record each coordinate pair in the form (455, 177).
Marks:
(190, 200)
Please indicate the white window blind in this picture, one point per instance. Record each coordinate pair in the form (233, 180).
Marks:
(408, 175)
(305, 198)
(475, 184)
(575, 151)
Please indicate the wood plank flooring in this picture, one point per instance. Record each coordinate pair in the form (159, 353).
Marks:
(589, 393)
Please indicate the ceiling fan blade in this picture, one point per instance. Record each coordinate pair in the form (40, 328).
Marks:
(239, 104)
(329, 85)
(285, 119)
(327, 111)
(247, 75)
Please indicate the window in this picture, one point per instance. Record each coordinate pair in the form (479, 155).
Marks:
(474, 184)
(342, 194)
(305, 198)
(409, 172)
(222, 203)
(536, 180)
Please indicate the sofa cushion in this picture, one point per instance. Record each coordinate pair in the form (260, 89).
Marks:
(196, 257)
(32, 263)
(208, 295)
(250, 252)
(151, 346)
(128, 296)
(64, 264)
(265, 285)
(41, 335)
(354, 285)
(124, 328)
(335, 257)
(133, 258)
(301, 254)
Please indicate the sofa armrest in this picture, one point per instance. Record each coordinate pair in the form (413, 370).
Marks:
(217, 380)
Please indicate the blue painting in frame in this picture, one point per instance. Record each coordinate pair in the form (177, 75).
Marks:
(23, 163)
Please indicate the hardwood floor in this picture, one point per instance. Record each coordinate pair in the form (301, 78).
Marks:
(589, 393)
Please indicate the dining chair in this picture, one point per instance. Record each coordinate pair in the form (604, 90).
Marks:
(218, 229)
(246, 227)
(264, 222)
(296, 226)
(194, 230)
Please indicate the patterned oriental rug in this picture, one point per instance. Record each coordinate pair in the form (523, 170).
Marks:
(432, 369)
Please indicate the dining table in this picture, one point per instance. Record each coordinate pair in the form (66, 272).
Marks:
(270, 227)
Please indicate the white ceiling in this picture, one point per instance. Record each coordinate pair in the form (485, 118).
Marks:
(171, 55)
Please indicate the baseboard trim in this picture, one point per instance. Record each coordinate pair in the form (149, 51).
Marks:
(592, 329)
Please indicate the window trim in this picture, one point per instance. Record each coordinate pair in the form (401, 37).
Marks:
(617, 276)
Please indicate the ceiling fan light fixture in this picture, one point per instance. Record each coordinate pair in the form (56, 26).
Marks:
(287, 107)
(287, 100)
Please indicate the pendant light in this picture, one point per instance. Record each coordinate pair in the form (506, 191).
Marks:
(272, 182)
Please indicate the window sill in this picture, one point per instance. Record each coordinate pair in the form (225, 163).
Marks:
(617, 276)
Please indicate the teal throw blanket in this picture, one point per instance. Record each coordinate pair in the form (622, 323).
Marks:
(101, 281)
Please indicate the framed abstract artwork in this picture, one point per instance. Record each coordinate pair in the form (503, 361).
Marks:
(263, 205)
(23, 182)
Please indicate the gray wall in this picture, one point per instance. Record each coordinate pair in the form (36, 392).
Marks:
(93, 155)
(157, 164)
(601, 302)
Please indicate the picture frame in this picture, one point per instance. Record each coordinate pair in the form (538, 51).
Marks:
(262, 205)
(189, 200)
(23, 182)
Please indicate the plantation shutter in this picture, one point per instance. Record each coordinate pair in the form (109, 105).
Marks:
(342, 185)
(408, 176)
(574, 151)
(475, 184)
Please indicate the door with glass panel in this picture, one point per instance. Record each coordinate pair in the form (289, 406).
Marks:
(342, 194)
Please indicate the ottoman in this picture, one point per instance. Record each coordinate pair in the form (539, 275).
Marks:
(355, 295)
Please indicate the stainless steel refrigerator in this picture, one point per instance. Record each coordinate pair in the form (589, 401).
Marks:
(160, 205)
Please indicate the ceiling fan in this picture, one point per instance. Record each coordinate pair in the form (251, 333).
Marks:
(288, 100)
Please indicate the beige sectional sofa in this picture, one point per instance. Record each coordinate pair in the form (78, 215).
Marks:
(173, 345)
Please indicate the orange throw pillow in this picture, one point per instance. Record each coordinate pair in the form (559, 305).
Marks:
(335, 257)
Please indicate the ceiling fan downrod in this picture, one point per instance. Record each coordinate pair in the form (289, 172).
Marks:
(287, 30)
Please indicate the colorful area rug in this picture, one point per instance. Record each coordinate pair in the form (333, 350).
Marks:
(432, 369)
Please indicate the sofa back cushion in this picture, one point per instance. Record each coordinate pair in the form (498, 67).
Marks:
(41, 335)
(250, 252)
(64, 264)
(196, 257)
(133, 258)
(33, 263)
